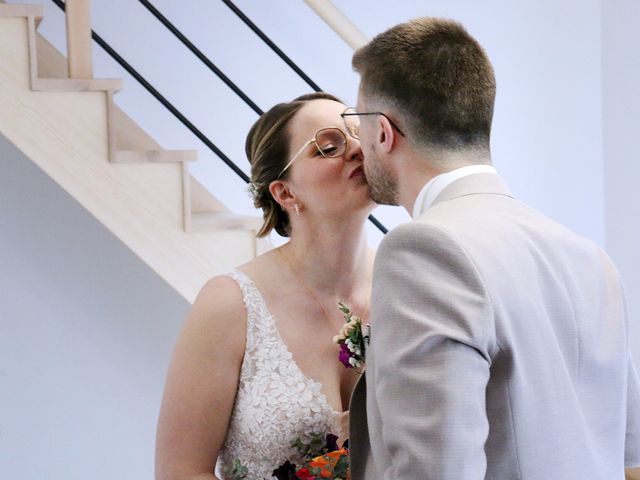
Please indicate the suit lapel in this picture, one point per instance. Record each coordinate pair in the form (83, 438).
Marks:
(358, 429)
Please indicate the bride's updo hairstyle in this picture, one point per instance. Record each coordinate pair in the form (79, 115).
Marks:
(268, 150)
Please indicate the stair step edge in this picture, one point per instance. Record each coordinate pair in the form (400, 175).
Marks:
(76, 85)
(208, 221)
(155, 156)
(21, 10)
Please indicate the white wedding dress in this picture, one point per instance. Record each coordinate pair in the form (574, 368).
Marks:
(275, 403)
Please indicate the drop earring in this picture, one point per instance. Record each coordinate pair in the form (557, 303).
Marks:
(297, 207)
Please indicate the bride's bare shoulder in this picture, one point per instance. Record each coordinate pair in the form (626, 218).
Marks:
(221, 290)
(219, 303)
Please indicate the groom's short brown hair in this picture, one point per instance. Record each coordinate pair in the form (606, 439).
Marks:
(438, 78)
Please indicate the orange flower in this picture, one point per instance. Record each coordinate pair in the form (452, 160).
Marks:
(337, 454)
(324, 466)
(319, 462)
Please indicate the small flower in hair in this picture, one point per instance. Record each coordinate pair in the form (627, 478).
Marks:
(252, 188)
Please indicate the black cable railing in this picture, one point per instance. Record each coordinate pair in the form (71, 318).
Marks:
(247, 21)
(202, 57)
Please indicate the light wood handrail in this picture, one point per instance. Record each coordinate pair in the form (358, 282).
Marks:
(632, 473)
(78, 15)
(339, 22)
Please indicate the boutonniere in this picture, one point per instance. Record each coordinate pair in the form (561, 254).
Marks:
(353, 339)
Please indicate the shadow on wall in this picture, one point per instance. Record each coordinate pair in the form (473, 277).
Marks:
(86, 331)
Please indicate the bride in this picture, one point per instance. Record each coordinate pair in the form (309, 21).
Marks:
(255, 367)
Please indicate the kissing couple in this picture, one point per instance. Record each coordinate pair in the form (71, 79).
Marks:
(499, 342)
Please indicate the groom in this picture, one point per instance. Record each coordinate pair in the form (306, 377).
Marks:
(499, 343)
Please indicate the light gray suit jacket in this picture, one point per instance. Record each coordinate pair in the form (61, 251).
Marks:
(499, 350)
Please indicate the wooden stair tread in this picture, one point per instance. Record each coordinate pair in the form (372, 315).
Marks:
(155, 156)
(21, 10)
(207, 221)
(76, 84)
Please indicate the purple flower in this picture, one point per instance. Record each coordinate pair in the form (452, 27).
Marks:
(345, 355)
(286, 471)
(332, 443)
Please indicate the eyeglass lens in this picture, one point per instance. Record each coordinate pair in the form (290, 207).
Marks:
(331, 142)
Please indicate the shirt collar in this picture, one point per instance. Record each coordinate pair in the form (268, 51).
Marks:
(437, 184)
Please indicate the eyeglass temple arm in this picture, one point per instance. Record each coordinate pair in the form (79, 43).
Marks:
(354, 114)
(296, 156)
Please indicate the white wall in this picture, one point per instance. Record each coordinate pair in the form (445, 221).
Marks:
(86, 330)
(621, 123)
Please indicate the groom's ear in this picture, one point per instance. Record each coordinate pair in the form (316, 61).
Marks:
(387, 137)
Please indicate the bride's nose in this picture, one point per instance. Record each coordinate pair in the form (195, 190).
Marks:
(354, 152)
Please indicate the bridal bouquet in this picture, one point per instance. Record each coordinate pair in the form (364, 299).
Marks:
(323, 459)
(320, 459)
(353, 339)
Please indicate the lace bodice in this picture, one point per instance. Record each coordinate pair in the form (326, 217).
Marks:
(275, 403)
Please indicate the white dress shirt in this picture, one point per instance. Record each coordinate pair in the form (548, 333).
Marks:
(437, 184)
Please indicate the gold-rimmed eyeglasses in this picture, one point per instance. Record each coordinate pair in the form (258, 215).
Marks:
(330, 142)
(352, 121)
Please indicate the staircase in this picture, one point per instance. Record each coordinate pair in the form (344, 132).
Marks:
(71, 128)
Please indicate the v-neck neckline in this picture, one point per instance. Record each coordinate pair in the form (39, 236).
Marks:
(283, 344)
